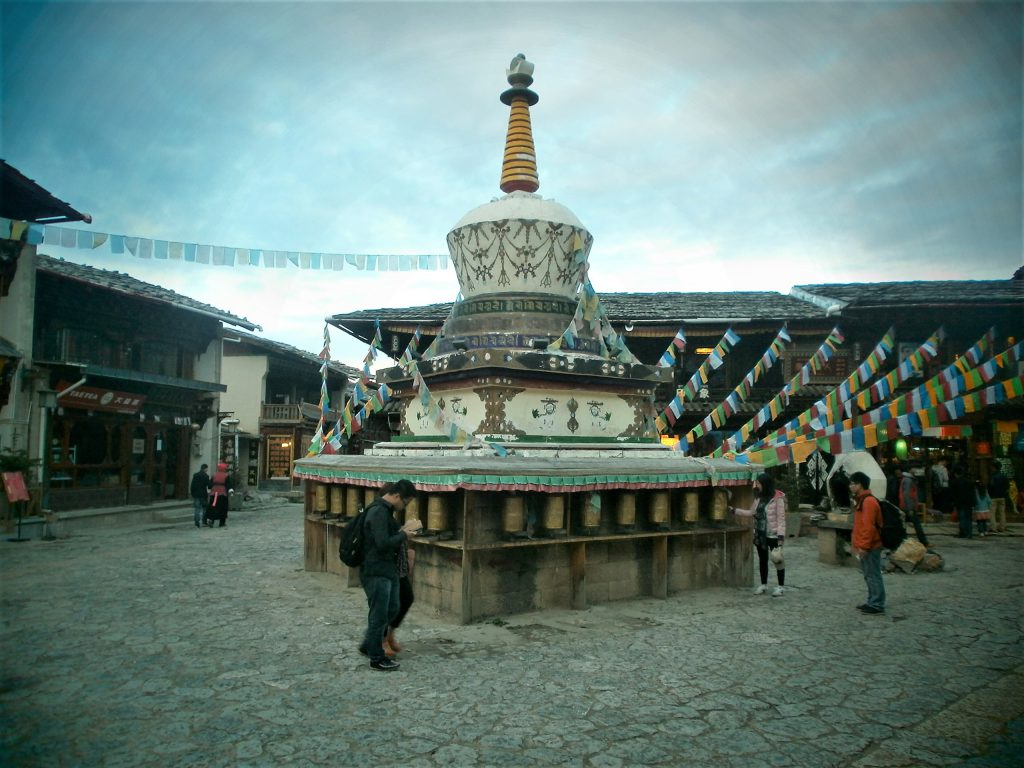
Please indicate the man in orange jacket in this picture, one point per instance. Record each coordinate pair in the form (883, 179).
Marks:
(867, 541)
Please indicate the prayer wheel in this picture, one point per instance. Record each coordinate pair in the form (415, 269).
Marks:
(719, 505)
(369, 494)
(625, 511)
(437, 514)
(592, 514)
(320, 498)
(554, 514)
(337, 501)
(660, 510)
(513, 516)
(691, 507)
(353, 499)
(412, 509)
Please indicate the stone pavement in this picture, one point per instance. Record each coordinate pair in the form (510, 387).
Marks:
(167, 645)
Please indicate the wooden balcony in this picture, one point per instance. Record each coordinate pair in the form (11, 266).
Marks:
(293, 414)
(274, 413)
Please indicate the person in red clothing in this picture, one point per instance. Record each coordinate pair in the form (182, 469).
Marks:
(867, 541)
(220, 488)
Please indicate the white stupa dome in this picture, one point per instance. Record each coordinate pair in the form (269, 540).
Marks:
(521, 205)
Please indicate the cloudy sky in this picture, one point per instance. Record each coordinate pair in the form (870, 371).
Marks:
(725, 146)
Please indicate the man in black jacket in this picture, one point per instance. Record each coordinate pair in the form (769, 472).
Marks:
(379, 571)
(199, 491)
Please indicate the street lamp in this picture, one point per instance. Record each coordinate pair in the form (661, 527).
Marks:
(47, 402)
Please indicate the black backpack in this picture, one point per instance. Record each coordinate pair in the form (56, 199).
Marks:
(893, 531)
(352, 549)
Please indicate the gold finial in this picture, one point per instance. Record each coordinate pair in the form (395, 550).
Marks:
(519, 166)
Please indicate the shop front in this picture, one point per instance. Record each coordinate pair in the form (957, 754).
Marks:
(116, 446)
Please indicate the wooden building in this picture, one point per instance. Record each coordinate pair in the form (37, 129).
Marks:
(272, 405)
(135, 399)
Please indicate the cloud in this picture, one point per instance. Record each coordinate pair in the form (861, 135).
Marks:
(706, 146)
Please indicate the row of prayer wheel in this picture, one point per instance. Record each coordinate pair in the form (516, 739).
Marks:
(346, 501)
(659, 513)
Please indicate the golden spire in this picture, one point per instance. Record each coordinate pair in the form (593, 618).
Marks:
(519, 167)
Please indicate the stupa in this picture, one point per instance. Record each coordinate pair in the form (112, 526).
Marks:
(528, 427)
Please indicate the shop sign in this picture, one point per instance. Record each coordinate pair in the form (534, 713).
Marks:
(94, 399)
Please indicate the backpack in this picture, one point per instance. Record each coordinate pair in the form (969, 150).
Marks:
(893, 531)
(352, 548)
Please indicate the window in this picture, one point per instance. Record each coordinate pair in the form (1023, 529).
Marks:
(160, 357)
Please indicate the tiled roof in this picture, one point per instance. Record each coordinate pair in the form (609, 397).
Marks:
(289, 350)
(932, 292)
(7, 349)
(129, 286)
(650, 308)
(24, 199)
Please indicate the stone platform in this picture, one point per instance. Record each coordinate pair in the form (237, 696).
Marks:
(554, 526)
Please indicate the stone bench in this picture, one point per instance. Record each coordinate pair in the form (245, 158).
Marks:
(833, 536)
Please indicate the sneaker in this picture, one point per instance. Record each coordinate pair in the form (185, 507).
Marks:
(384, 665)
(871, 609)
(862, 606)
(777, 592)
(761, 589)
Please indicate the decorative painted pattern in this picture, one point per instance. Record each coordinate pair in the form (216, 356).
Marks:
(498, 304)
(518, 255)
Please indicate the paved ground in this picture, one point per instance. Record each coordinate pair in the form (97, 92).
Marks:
(165, 645)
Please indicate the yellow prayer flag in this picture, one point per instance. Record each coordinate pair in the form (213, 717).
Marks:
(802, 450)
(870, 435)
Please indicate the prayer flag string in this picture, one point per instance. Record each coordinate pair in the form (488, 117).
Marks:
(213, 255)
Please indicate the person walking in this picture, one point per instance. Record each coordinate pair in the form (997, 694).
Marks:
(999, 492)
(220, 489)
(379, 571)
(962, 492)
(199, 490)
(769, 515)
(406, 561)
(907, 500)
(867, 541)
(940, 487)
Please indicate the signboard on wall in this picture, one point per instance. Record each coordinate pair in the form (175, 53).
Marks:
(95, 399)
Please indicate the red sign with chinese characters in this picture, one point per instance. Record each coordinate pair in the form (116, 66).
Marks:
(94, 399)
(14, 486)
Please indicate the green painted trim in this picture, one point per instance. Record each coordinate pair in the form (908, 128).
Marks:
(531, 439)
(525, 482)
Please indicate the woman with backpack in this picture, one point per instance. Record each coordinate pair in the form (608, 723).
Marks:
(769, 515)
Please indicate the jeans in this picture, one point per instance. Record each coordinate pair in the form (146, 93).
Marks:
(382, 598)
(964, 518)
(198, 510)
(998, 514)
(871, 567)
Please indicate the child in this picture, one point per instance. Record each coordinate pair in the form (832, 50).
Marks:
(982, 505)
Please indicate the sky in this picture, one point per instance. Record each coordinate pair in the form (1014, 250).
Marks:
(706, 146)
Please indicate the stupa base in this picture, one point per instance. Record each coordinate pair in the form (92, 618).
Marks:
(471, 569)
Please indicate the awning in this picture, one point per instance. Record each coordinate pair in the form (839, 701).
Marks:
(122, 374)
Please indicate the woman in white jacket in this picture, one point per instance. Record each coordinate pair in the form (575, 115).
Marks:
(769, 515)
